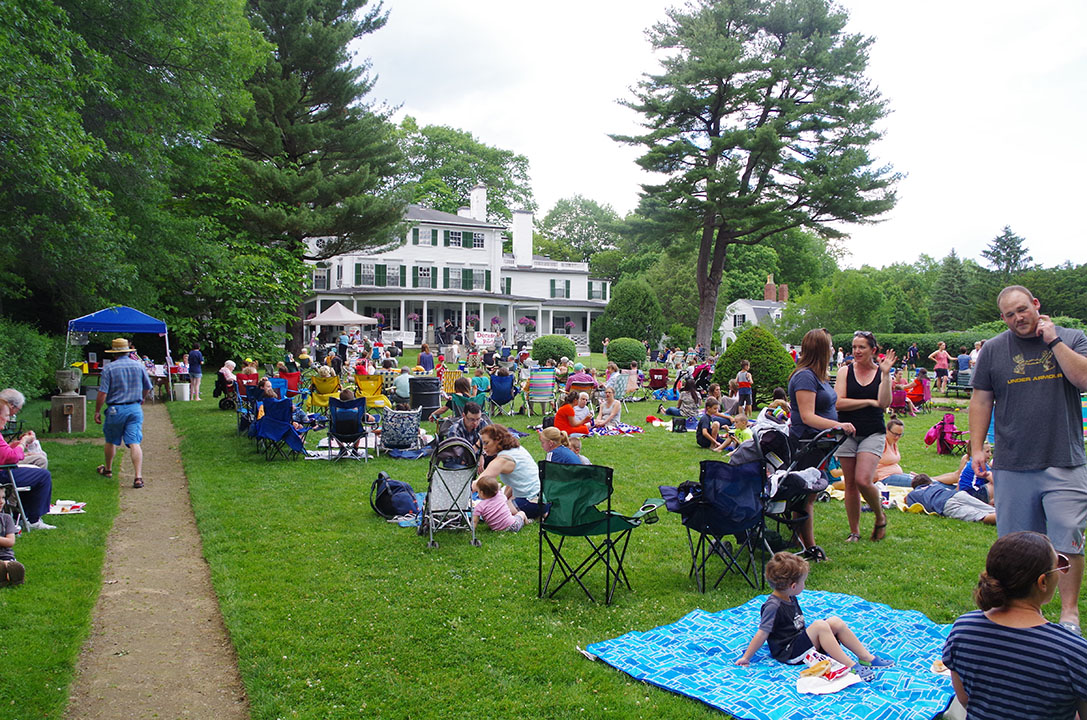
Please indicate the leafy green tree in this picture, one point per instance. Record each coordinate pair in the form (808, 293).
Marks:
(948, 307)
(313, 156)
(670, 277)
(632, 311)
(441, 165)
(585, 225)
(1062, 289)
(760, 120)
(746, 269)
(804, 259)
(607, 265)
(1007, 253)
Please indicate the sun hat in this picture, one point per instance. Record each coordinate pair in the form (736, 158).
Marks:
(120, 345)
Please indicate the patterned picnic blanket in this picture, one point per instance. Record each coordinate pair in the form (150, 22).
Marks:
(696, 655)
(622, 429)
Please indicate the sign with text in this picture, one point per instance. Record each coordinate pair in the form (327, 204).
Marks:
(486, 339)
(405, 336)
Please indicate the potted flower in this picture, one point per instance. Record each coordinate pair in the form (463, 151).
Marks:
(496, 321)
(472, 320)
(527, 323)
(414, 317)
(569, 325)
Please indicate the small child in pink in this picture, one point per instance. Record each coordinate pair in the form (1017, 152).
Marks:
(494, 509)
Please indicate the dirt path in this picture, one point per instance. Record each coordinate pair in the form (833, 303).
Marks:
(158, 647)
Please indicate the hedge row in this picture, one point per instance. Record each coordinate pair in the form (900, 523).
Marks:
(30, 359)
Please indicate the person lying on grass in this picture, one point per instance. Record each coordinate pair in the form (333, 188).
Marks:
(945, 498)
(782, 624)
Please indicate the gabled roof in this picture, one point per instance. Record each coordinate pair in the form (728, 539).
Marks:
(418, 213)
(762, 308)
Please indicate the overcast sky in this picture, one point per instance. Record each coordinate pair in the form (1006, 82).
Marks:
(988, 99)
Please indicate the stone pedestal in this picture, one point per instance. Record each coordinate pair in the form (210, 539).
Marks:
(65, 407)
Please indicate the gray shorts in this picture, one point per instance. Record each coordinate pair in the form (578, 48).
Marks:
(1051, 501)
(854, 446)
(964, 506)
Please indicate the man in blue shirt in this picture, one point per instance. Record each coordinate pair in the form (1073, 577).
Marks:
(124, 386)
(196, 370)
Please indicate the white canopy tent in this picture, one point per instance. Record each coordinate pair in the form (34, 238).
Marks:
(340, 316)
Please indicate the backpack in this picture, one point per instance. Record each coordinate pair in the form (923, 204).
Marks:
(390, 498)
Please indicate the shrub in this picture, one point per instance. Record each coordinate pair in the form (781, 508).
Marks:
(30, 359)
(553, 347)
(624, 351)
(771, 366)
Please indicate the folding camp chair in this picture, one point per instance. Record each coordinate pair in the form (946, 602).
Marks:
(246, 380)
(459, 401)
(293, 381)
(573, 493)
(448, 504)
(372, 387)
(276, 433)
(503, 392)
(898, 401)
(13, 504)
(448, 378)
(347, 426)
(400, 429)
(280, 386)
(725, 501)
(321, 389)
(658, 380)
(541, 388)
(248, 405)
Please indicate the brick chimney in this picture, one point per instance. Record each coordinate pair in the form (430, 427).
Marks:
(769, 292)
(783, 292)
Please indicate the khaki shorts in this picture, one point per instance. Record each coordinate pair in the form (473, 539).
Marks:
(964, 506)
(854, 446)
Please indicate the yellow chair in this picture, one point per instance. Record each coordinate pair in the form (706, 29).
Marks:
(448, 380)
(323, 389)
(371, 387)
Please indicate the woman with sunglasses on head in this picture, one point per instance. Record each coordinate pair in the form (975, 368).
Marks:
(1006, 659)
(864, 392)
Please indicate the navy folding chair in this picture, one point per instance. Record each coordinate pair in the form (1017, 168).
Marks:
(277, 434)
(503, 391)
(347, 427)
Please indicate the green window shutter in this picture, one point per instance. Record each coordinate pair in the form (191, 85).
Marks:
(447, 238)
(552, 288)
(509, 286)
(415, 276)
(568, 289)
(589, 290)
(488, 274)
(604, 290)
(415, 236)
(358, 273)
(380, 275)
(466, 279)
(445, 273)
(404, 276)
(434, 278)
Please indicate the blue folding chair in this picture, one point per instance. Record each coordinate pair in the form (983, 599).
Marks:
(347, 426)
(280, 386)
(276, 433)
(503, 392)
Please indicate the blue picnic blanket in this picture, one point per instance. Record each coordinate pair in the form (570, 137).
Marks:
(696, 656)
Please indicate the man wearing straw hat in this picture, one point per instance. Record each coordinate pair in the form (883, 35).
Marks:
(124, 386)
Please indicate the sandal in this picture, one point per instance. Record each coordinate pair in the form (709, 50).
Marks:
(813, 553)
(137, 483)
(853, 537)
(877, 535)
(101, 470)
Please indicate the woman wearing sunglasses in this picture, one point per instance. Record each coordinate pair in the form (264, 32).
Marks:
(1006, 659)
(864, 391)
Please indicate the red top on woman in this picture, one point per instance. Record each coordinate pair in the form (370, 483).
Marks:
(563, 418)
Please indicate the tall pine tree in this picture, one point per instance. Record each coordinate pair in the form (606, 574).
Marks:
(949, 309)
(313, 155)
(1007, 254)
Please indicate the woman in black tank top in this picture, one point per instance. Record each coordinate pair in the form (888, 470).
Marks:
(864, 391)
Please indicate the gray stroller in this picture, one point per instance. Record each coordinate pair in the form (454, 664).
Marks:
(448, 504)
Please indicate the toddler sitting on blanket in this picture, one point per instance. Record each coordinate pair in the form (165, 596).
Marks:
(783, 624)
(494, 509)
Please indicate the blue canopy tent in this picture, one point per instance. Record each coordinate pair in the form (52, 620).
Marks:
(119, 319)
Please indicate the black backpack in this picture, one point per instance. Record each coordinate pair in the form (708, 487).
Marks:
(390, 498)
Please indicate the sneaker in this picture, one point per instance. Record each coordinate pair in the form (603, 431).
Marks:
(864, 673)
(40, 525)
(878, 662)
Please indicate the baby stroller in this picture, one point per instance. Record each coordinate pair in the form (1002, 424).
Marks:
(794, 471)
(448, 504)
(702, 375)
(948, 438)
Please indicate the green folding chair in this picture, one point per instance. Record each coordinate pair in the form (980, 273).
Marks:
(573, 493)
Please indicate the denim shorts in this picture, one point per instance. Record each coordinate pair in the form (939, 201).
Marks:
(123, 424)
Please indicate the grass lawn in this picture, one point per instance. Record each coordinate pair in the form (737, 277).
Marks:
(335, 613)
(45, 621)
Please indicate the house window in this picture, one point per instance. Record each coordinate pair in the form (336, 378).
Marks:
(424, 276)
(454, 277)
(391, 276)
(507, 285)
(560, 288)
(479, 279)
(320, 279)
(738, 320)
(477, 240)
(454, 238)
(426, 236)
(558, 324)
(339, 275)
(596, 291)
(364, 274)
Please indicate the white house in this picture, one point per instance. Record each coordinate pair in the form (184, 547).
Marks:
(744, 311)
(451, 267)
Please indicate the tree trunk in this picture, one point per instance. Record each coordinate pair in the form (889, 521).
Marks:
(711, 263)
(297, 331)
(707, 310)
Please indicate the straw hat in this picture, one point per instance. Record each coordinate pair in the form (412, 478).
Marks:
(120, 345)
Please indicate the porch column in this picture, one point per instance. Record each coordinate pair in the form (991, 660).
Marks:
(463, 320)
(588, 323)
(426, 319)
(403, 320)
